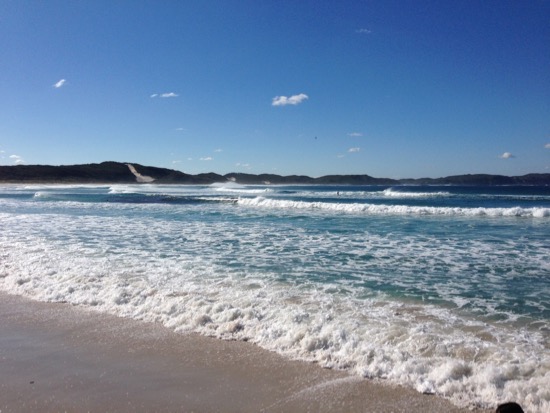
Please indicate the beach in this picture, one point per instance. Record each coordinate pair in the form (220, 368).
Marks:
(59, 357)
(273, 298)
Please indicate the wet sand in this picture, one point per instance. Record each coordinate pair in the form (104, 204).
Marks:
(57, 357)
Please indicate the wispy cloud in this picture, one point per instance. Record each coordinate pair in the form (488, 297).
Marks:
(206, 158)
(547, 146)
(17, 159)
(340, 156)
(59, 84)
(352, 150)
(506, 155)
(355, 134)
(243, 165)
(218, 150)
(363, 31)
(165, 95)
(292, 100)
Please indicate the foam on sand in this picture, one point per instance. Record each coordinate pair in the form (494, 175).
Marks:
(114, 364)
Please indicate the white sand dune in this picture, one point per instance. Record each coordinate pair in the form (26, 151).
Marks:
(139, 177)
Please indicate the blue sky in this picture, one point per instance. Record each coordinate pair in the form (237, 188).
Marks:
(385, 88)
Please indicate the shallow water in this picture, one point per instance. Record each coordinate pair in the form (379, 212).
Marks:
(443, 289)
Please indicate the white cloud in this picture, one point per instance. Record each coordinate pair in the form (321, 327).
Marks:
(547, 146)
(354, 150)
(292, 100)
(340, 156)
(363, 31)
(59, 83)
(206, 158)
(218, 150)
(17, 159)
(506, 155)
(355, 134)
(164, 95)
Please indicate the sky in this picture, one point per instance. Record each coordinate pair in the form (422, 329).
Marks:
(397, 89)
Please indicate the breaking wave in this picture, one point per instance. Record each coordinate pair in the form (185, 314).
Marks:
(374, 209)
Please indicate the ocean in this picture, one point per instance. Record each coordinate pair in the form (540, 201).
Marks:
(442, 289)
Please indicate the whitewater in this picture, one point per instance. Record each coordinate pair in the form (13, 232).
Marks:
(442, 289)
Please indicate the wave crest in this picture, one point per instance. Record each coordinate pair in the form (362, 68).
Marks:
(390, 192)
(376, 209)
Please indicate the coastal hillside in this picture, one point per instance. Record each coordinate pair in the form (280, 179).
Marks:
(105, 172)
(119, 172)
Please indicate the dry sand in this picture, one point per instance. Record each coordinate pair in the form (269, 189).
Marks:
(56, 357)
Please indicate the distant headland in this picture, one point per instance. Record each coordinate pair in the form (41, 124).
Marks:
(119, 172)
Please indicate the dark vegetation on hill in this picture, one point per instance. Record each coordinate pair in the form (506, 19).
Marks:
(117, 172)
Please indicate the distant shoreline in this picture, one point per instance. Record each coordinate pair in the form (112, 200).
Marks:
(128, 173)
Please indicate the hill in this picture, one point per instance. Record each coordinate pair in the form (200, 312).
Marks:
(117, 172)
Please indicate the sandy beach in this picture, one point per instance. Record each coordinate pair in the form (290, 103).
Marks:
(57, 357)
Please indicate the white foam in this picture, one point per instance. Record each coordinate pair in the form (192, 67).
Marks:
(233, 187)
(37, 187)
(393, 193)
(427, 350)
(156, 189)
(376, 209)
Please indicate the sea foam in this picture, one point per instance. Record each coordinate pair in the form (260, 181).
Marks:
(377, 209)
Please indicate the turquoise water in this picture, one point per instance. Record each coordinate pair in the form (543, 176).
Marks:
(443, 289)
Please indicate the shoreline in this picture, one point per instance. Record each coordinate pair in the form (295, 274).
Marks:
(120, 172)
(352, 185)
(58, 357)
